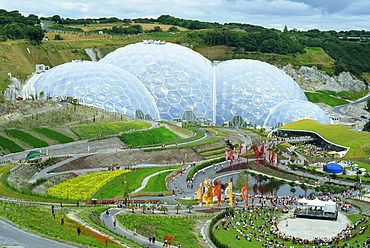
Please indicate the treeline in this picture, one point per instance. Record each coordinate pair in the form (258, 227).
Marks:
(266, 41)
(82, 21)
(15, 26)
(349, 56)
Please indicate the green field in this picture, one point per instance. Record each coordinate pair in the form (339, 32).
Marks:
(61, 138)
(26, 138)
(40, 220)
(9, 145)
(126, 183)
(107, 129)
(341, 135)
(149, 137)
(181, 228)
(157, 183)
(324, 98)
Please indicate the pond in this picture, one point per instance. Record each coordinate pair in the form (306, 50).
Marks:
(264, 187)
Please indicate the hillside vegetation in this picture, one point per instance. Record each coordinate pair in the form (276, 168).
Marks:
(215, 41)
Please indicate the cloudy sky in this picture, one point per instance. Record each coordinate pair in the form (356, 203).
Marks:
(301, 14)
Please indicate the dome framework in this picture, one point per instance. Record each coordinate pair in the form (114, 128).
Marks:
(165, 81)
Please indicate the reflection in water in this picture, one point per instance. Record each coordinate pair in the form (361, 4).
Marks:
(259, 185)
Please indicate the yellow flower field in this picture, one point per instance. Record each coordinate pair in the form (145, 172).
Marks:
(83, 187)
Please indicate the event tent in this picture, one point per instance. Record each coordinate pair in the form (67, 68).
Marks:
(333, 168)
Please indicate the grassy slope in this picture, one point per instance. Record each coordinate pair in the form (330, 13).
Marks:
(342, 135)
(314, 56)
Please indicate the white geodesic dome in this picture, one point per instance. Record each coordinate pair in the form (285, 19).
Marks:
(250, 89)
(178, 78)
(295, 110)
(100, 85)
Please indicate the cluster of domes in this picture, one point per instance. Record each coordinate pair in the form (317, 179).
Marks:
(171, 82)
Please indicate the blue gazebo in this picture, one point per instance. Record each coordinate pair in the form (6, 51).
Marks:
(333, 168)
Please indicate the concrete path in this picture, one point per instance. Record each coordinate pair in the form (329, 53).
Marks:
(12, 236)
(108, 221)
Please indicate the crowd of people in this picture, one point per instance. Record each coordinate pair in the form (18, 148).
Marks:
(312, 150)
(259, 223)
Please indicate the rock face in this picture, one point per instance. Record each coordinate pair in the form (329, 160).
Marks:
(309, 78)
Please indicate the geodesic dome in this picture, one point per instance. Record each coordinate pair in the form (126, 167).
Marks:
(250, 89)
(294, 110)
(171, 82)
(100, 85)
(178, 78)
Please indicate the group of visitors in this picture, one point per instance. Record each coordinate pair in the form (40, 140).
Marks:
(259, 223)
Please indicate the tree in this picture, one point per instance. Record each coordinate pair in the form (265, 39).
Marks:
(143, 207)
(157, 29)
(177, 207)
(35, 34)
(164, 209)
(152, 207)
(189, 207)
(133, 207)
(173, 29)
(367, 127)
(56, 18)
(367, 107)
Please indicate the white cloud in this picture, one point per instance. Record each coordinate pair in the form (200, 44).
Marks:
(300, 14)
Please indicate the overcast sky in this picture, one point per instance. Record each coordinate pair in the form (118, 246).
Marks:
(301, 14)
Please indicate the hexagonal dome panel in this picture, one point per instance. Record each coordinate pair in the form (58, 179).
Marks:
(180, 69)
(92, 83)
(294, 110)
(256, 85)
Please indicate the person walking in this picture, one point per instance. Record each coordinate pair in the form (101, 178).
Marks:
(114, 224)
(153, 239)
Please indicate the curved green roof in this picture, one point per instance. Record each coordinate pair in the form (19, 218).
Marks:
(33, 154)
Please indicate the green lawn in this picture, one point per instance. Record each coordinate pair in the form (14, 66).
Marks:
(351, 95)
(40, 220)
(341, 135)
(181, 228)
(157, 183)
(324, 98)
(107, 129)
(127, 183)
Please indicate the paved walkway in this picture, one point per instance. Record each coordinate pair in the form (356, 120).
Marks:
(13, 236)
(108, 221)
